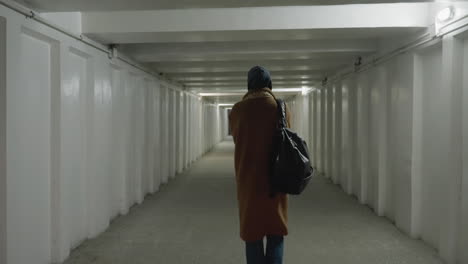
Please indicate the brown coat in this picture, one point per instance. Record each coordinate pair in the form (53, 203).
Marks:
(253, 121)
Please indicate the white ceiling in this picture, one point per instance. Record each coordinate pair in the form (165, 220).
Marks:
(108, 5)
(211, 50)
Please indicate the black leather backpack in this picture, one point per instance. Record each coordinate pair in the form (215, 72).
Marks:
(291, 170)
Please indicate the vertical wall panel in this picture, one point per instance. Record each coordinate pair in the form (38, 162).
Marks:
(433, 173)
(29, 153)
(329, 134)
(304, 115)
(170, 130)
(312, 128)
(345, 170)
(374, 118)
(131, 90)
(73, 151)
(187, 129)
(451, 152)
(3, 175)
(179, 133)
(349, 137)
(157, 136)
(150, 130)
(127, 131)
(164, 134)
(354, 178)
(322, 140)
(384, 181)
(174, 132)
(400, 140)
(191, 131)
(184, 131)
(464, 189)
(119, 142)
(140, 138)
(336, 123)
(100, 171)
(363, 135)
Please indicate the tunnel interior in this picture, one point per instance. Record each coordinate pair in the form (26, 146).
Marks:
(113, 113)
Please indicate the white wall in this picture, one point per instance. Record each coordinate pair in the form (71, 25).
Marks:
(3, 186)
(395, 137)
(87, 137)
(212, 126)
(430, 72)
(464, 185)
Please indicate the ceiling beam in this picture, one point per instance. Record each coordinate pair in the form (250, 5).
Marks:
(266, 56)
(258, 18)
(243, 83)
(246, 35)
(241, 69)
(276, 75)
(269, 64)
(146, 52)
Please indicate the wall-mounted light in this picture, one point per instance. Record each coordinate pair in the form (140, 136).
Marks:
(445, 14)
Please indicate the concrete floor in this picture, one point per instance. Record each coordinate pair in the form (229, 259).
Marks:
(193, 219)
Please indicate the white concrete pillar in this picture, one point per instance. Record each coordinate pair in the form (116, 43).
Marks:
(363, 97)
(173, 132)
(187, 129)
(400, 100)
(417, 149)
(323, 131)
(150, 130)
(464, 191)
(28, 127)
(179, 129)
(428, 174)
(349, 137)
(378, 136)
(3, 175)
(451, 158)
(311, 125)
(335, 107)
(157, 135)
(164, 134)
(329, 137)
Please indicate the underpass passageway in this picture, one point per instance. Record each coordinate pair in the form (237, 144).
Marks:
(194, 220)
(115, 116)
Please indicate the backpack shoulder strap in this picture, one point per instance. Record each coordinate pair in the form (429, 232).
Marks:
(281, 112)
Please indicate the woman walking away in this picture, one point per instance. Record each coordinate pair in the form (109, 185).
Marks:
(253, 122)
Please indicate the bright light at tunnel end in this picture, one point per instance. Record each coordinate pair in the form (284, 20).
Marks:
(225, 105)
(239, 93)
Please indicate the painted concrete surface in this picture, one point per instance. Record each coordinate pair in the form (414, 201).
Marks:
(193, 219)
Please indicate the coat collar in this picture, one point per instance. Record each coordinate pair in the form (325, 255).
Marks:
(259, 93)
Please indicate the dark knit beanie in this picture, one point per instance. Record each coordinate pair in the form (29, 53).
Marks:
(258, 78)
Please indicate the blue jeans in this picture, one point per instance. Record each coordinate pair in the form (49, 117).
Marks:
(274, 251)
